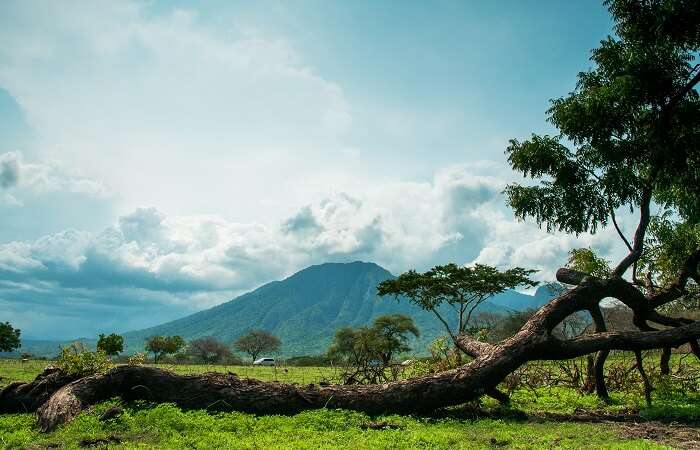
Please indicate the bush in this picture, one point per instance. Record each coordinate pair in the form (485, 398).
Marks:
(137, 359)
(77, 360)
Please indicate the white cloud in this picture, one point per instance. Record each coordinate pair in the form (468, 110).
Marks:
(164, 110)
(44, 177)
(178, 264)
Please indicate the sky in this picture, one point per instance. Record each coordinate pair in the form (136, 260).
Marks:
(161, 157)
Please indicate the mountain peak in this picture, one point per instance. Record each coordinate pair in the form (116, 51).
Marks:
(344, 267)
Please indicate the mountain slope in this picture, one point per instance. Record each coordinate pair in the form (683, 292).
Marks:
(307, 308)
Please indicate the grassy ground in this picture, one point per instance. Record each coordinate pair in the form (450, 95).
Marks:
(534, 420)
(15, 370)
(164, 426)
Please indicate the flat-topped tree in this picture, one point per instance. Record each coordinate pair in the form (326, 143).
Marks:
(461, 288)
(629, 139)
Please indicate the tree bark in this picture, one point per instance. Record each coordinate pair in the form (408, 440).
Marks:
(22, 397)
(664, 366)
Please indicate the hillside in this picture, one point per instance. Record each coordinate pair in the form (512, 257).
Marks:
(305, 309)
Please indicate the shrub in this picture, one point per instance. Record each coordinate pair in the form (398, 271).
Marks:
(137, 359)
(75, 359)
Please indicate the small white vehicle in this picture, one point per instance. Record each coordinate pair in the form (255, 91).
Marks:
(264, 362)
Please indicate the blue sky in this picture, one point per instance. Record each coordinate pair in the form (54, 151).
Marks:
(158, 158)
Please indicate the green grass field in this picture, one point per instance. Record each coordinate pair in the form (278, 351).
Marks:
(15, 370)
(530, 422)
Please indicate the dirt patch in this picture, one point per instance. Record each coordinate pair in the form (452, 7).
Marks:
(100, 441)
(675, 435)
(380, 426)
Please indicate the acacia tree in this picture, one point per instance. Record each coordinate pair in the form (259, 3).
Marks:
(256, 342)
(9, 337)
(629, 137)
(461, 288)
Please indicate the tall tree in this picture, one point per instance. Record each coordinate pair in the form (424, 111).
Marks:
(461, 288)
(256, 342)
(9, 337)
(628, 137)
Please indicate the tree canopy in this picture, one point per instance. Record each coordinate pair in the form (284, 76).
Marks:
(256, 342)
(111, 345)
(209, 349)
(164, 345)
(628, 139)
(9, 337)
(629, 133)
(387, 336)
(587, 261)
(369, 351)
(461, 288)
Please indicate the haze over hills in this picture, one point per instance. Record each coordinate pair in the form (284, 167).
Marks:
(306, 309)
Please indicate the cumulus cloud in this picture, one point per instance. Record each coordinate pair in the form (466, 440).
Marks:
(45, 177)
(123, 88)
(186, 263)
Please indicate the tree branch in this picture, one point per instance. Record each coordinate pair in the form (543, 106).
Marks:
(638, 242)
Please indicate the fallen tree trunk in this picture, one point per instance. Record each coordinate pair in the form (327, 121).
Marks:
(491, 364)
(228, 392)
(22, 397)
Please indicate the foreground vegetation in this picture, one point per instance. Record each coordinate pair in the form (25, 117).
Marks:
(533, 420)
(165, 426)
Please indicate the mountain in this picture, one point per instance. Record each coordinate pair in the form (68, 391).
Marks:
(307, 308)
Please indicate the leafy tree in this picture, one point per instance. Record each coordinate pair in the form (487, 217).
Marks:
(209, 349)
(461, 288)
(256, 342)
(9, 337)
(628, 137)
(111, 345)
(164, 345)
(392, 333)
(368, 351)
(585, 260)
(355, 347)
